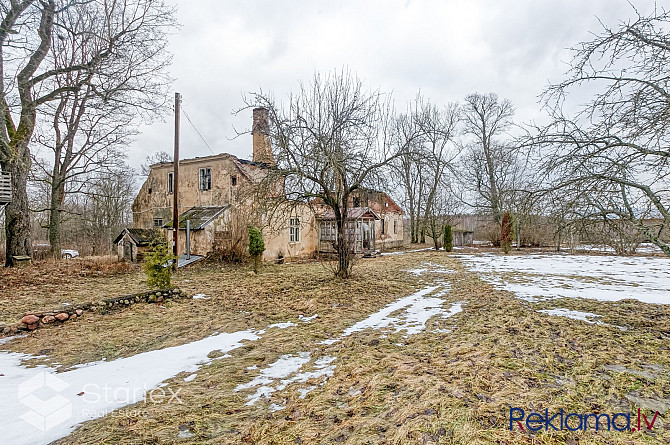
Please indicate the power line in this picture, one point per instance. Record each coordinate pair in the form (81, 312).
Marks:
(196, 130)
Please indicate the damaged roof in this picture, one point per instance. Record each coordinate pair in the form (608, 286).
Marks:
(200, 216)
(141, 237)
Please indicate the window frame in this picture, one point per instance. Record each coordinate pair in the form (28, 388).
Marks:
(170, 183)
(204, 173)
(294, 229)
(160, 223)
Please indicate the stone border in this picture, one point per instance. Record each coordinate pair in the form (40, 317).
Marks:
(36, 319)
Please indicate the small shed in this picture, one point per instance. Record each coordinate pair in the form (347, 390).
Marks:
(132, 243)
(462, 237)
(360, 227)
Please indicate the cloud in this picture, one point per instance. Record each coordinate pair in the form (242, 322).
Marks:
(446, 48)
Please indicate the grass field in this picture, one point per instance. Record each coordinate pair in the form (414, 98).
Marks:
(415, 348)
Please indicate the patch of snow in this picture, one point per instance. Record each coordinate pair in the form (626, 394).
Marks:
(252, 367)
(274, 407)
(105, 386)
(575, 315)
(185, 434)
(605, 278)
(430, 267)
(190, 378)
(288, 324)
(304, 391)
(415, 310)
(307, 319)
(285, 371)
(8, 339)
(200, 297)
(283, 367)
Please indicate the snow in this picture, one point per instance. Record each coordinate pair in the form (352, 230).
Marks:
(89, 392)
(605, 278)
(190, 378)
(307, 319)
(200, 297)
(430, 267)
(575, 315)
(415, 310)
(285, 325)
(285, 371)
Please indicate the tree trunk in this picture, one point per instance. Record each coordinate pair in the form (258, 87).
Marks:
(343, 253)
(17, 213)
(55, 217)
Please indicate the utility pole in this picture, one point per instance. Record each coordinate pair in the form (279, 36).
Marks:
(175, 186)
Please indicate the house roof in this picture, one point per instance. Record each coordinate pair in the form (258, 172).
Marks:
(200, 216)
(352, 213)
(141, 237)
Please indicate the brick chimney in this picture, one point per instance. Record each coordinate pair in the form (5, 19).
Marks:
(260, 131)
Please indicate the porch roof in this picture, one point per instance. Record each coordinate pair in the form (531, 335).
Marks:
(354, 213)
(200, 216)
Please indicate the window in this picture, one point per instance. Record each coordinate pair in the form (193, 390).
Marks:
(357, 201)
(205, 178)
(149, 191)
(158, 222)
(170, 183)
(233, 180)
(395, 226)
(294, 230)
(383, 226)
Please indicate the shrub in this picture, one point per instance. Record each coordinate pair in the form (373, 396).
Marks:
(256, 245)
(448, 240)
(157, 265)
(506, 232)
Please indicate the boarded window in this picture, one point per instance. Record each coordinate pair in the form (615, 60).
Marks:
(205, 178)
(233, 180)
(158, 222)
(294, 230)
(395, 226)
(383, 226)
(170, 183)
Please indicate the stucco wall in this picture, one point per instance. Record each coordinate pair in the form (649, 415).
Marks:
(158, 203)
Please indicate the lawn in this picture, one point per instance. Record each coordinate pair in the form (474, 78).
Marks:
(423, 347)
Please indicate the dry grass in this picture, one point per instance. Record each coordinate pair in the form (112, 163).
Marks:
(435, 387)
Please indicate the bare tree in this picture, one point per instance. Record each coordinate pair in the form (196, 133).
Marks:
(330, 139)
(616, 147)
(486, 118)
(52, 49)
(159, 156)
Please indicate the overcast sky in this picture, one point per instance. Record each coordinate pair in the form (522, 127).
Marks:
(445, 48)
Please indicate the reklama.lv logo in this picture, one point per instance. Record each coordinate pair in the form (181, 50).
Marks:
(577, 422)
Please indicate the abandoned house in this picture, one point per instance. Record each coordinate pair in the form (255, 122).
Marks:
(215, 199)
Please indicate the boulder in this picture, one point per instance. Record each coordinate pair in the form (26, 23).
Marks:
(30, 319)
(79, 312)
(62, 316)
(48, 319)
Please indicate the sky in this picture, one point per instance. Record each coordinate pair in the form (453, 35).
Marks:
(446, 49)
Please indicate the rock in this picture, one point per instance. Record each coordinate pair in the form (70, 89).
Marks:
(152, 298)
(159, 298)
(62, 316)
(32, 327)
(79, 312)
(159, 294)
(73, 317)
(30, 319)
(48, 319)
